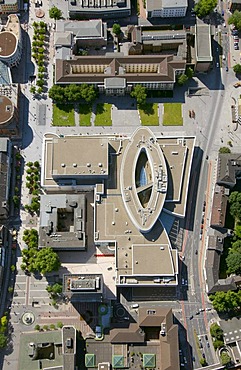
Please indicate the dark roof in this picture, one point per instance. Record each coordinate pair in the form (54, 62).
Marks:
(155, 317)
(212, 269)
(85, 68)
(219, 207)
(215, 242)
(229, 167)
(133, 334)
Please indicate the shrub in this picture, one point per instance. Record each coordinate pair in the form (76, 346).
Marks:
(60, 325)
(10, 289)
(45, 327)
(37, 327)
(52, 326)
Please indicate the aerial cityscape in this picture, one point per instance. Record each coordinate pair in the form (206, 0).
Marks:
(120, 197)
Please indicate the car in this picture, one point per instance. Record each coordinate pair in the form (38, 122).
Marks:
(235, 37)
(183, 258)
(224, 57)
(197, 313)
(193, 15)
(204, 203)
(135, 305)
(200, 237)
(185, 360)
(196, 252)
(186, 283)
(208, 345)
(222, 12)
(226, 68)
(224, 24)
(200, 345)
(181, 364)
(208, 309)
(201, 231)
(236, 47)
(206, 337)
(203, 355)
(201, 309)
(183, 281)
(191, 317)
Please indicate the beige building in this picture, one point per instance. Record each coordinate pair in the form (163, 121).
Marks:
(133, 180)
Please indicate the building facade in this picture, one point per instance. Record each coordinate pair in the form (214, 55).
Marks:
(11, 41)
(166, 8)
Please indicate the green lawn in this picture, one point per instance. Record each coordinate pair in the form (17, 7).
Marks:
(85, 111)
(63, 115)
(149, 114)
(172, 114)
(103, 115)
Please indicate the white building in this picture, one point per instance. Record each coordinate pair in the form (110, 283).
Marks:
(166, 8)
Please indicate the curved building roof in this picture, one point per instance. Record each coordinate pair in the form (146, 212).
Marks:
(8, 43)
(143, 179)
(6, 110)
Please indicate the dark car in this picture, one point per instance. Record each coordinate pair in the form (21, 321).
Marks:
(191, 317)
(206, 337)
(226, 68)
(203, 355)
(196, 252)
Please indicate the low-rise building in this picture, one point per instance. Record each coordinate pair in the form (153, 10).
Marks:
(82, 9)
(203, 47)
(5, 177)
(9, 107)
(53, 349)
(116, 74)
(63, 221)
(219, 207)
(228, 169)
(83, 287)
(166, 8)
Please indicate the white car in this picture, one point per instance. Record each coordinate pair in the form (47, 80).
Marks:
(98, 331)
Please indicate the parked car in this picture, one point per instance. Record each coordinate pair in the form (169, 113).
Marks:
(135, 305)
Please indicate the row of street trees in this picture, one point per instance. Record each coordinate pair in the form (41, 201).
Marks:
(73, 93)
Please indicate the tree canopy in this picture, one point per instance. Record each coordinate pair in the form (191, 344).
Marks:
(216, 331)
(225, 358)
(237, 67)
(73, 93)
(3, 340)
(224, 149)
(224, 302)
(139, 92)
(182, 79)
(116, 29)
(235, 19)
(233, 262)
(55, 13)
(46, 261)
(235, 204)
(204, 7)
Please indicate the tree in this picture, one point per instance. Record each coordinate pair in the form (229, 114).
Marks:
(233, 262)
(57, 93)
(236, 246)
(189, 72)
(235, 19)
(219, 302)
(59, 325)
(52, 326)
(204, 7)
(37, 327)
(235, 204)
(3, 340)
(55, 13)
(54, 289)
(88, 93)
(225, 358)
(224, 149)
(182, 79)
(203, 362)
(46, 261)
(116, 29)
(217, 343)
(32, 89)
(73, 93)
(237, 67)
(216, 331)
(139, 92)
